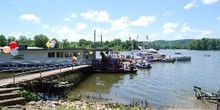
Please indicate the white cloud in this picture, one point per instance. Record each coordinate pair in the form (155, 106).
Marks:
(143, 21)
(186, 28)
(65, 32)
(18, 34)
(72, 16)
(30, 18)
(190, 5)
(178, 37)
(121, 23)
(132, 35)
(98, 16)
(208, 2)
(153, 36)
(169, 13)
(15, 34)
(206, 32)
(169, 27)
(100, 30)
(45, 26)
(81, 26)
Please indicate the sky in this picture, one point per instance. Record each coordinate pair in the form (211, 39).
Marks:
(141, 20)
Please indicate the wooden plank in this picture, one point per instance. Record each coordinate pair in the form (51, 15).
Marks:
(9, 95)
(34, 76)
(6, 90)
(8, 102)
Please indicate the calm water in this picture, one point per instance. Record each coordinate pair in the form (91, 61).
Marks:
(165, 85)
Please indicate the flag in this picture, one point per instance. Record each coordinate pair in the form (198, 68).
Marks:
(147, 37)
(137, 37)
(130, 38)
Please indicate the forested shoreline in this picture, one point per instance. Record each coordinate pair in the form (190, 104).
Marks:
(116, 44)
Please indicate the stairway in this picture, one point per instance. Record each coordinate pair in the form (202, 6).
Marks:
(10, 96)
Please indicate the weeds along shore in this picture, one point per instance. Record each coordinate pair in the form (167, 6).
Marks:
(73, 105)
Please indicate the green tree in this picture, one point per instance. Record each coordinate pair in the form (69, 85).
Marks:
(22, 40)
(41, 40)
(66, 43)
(11, 38)
(30, 42)
(3, 41)
(82, 42)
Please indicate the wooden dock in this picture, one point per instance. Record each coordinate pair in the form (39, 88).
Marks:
(29, 77)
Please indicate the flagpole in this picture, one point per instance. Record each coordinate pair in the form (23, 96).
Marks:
(132, 44)
(147, 41)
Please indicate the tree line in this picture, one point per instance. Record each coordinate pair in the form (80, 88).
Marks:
(41, 40)
(205, 44)
(116, 44)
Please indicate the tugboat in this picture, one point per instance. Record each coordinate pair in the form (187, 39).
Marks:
(111, 65)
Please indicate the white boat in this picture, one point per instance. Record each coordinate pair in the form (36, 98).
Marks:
(168, 59)
(150, 54)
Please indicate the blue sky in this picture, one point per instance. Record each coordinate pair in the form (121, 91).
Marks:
(76, 19)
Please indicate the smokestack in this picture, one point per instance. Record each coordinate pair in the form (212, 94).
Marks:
(94, 51)
(101, 38)
(94, 36)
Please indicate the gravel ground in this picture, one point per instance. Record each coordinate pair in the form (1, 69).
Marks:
(73, 105)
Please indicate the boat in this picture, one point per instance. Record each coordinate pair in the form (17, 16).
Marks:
(168, 59)
(178, 53)
(183, 58)
(147, 53)
(112, 65)
(150, 55)
(143, 65)
(207, 55)
(207, 96)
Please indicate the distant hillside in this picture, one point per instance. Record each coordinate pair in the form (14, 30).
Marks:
(175, 44)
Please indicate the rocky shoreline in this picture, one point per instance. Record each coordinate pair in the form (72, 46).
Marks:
(73, 105)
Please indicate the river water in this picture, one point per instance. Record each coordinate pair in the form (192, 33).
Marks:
(165, 85)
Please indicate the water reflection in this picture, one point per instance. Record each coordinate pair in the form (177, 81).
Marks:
(101, 86)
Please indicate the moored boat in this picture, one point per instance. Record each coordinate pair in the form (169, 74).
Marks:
(150, 55)
(143, 65)
(168, 59)
(183, 58)
(111, 65)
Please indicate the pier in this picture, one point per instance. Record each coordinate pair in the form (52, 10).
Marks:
(35, 76)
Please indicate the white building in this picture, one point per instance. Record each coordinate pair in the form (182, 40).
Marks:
(47, 56)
